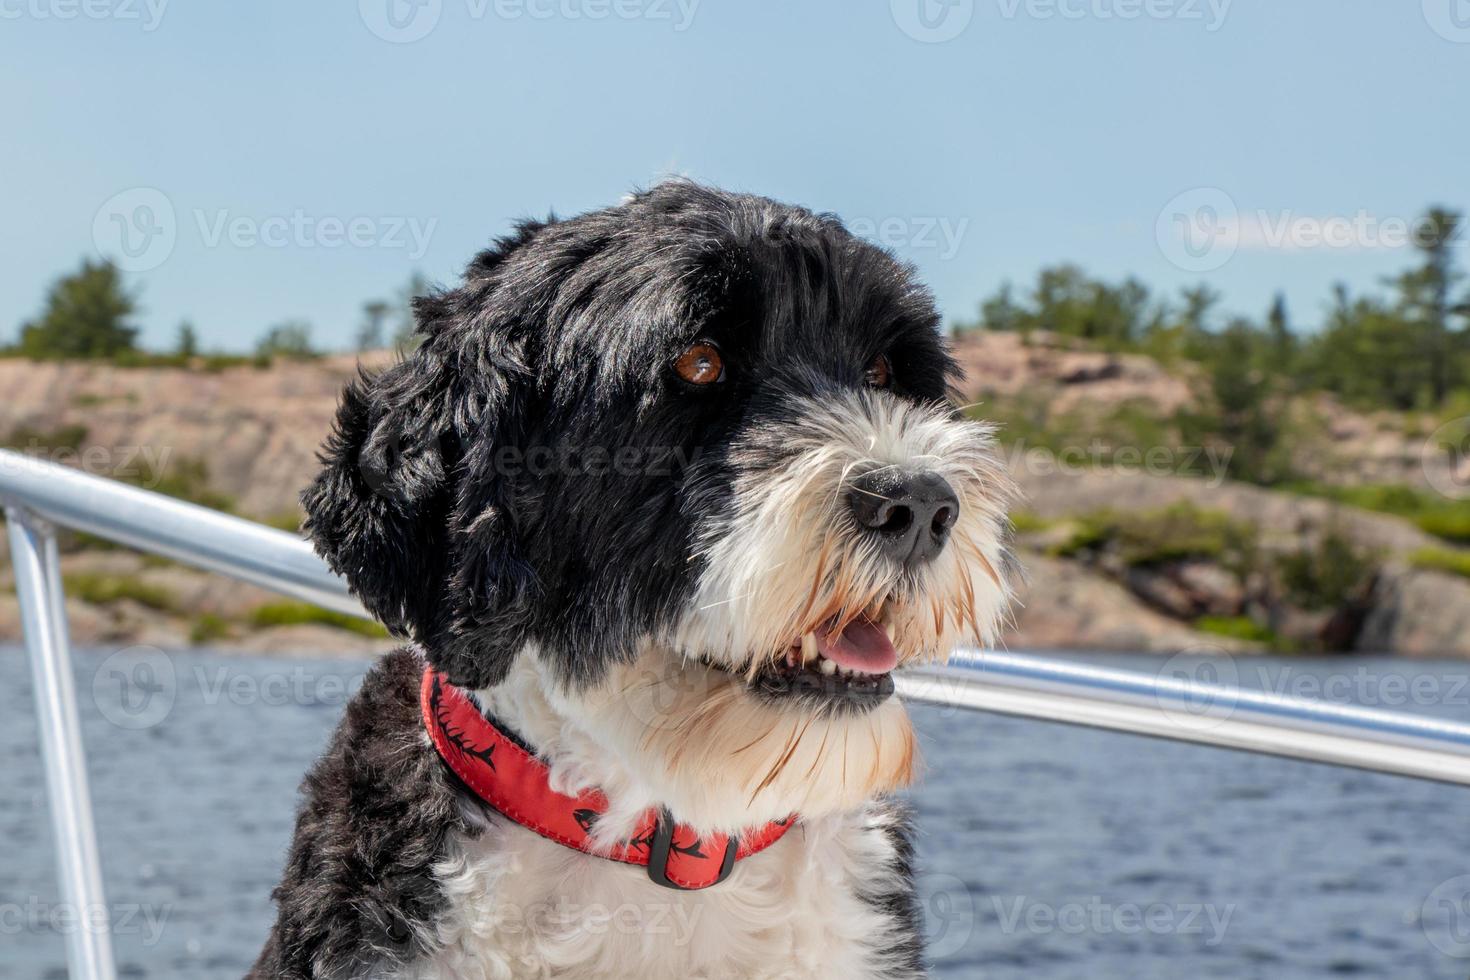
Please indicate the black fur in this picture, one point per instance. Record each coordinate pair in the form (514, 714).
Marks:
(358, 889)
(437, 502)
(895, 821)
(534, 471)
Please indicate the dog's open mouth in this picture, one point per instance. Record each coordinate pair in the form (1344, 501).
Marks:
(846, 668)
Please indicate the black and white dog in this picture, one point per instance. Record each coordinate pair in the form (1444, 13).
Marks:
(664, 497)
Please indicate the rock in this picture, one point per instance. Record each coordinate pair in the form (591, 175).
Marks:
(1419, 614)
(1159, 588)
(1214, 591)
(1066, 606)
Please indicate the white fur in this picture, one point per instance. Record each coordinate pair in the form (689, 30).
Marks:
(666, 730)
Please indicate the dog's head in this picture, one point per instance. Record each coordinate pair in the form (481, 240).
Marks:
(696, 456)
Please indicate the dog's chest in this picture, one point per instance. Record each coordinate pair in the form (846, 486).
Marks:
(519, 906)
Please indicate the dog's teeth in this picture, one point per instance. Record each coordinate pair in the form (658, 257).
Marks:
(828, 667)
(809, 648)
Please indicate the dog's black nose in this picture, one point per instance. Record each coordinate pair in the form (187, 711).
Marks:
(908, 514)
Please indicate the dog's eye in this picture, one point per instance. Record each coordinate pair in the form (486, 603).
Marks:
(880, 372)
(701, 364)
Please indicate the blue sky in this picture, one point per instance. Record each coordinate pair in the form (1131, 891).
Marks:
(274, 160)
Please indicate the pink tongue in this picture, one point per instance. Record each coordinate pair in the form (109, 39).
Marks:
(863, 646)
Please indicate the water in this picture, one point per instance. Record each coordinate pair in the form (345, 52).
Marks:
(1047, 852)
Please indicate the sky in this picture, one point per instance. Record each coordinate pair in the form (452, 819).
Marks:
(251, 163)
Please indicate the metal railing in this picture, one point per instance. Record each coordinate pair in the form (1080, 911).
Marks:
(40, 496)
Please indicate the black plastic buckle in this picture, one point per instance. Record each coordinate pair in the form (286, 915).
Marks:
(663, 845)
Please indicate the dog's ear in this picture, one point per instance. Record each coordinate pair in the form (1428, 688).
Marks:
(410, 507)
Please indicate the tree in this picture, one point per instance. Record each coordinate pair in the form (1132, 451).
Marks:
(289, 339)
(405, 326)
(188, 345)
(370, 334)
(86, 315)
(1281, 342)
(1425, 298)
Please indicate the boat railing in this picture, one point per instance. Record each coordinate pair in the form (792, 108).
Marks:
(1183, 701)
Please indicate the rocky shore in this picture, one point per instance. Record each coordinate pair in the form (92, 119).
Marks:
(1132, 558)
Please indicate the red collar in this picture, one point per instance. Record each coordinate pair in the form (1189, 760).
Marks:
(516, 783)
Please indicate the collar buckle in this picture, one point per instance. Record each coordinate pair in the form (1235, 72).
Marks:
(662, 847)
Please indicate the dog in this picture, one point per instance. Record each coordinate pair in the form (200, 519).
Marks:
(660, 502)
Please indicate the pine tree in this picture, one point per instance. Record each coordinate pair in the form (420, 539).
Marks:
(86, 315)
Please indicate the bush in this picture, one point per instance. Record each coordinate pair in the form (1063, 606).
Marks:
(25, 438)
(291, 613)
(1329, 574)
(1175, 533)
(1442, 560)
(102, 589)
(1432, 513)
(185, 478)
(208, 628)
(1239, 628)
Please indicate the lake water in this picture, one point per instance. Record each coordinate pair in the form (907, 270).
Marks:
(1047, 851)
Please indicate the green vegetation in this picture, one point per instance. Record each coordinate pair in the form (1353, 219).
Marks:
(86, 315)
(1330, 574)
(290, 613)
(1174, 533)
(1409, 350)
(291, 339)
(1433, 514)
(62, 438)
(1442, 560)
(1240, 628)
(208, 628)
(101, 588)
(1027, 522)
(286, 520)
